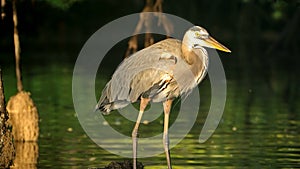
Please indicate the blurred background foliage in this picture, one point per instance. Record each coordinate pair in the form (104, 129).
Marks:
(261, 33)
(63, 4)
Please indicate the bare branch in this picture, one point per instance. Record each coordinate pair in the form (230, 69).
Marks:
(17, 46)
(146, 21)
(2, 9)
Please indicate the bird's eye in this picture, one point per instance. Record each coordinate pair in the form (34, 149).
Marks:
(197, 34)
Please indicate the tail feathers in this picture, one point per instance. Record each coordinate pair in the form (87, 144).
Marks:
(104, 106)
(107, 104)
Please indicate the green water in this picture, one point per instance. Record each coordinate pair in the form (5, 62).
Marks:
(259, 128)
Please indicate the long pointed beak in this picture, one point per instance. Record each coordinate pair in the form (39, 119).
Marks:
(212, 43)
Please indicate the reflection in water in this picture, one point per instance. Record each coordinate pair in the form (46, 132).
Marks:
(27, 154)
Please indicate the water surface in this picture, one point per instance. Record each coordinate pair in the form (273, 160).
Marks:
(259, 128)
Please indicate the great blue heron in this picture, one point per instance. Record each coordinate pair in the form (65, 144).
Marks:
(159, 73)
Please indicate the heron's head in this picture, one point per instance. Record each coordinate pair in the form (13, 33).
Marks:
(198, 37)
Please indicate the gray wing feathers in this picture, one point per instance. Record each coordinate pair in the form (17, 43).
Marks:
(145, 70)
(142, 62)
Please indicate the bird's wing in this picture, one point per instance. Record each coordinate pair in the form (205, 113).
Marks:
(144, 69)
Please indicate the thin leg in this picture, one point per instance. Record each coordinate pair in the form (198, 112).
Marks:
(143, 105)
(167, 108)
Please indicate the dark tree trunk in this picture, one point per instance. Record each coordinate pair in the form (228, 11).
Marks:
(7, 150)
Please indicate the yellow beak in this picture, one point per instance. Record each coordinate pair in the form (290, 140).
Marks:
(211, 42)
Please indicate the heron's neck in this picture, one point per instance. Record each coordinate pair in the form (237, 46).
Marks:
(197, 60)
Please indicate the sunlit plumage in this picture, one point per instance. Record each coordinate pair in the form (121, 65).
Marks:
(159, 73)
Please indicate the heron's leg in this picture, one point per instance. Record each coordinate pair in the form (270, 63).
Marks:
(143, 105)
(167, 108)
